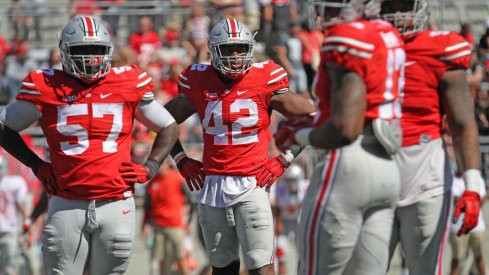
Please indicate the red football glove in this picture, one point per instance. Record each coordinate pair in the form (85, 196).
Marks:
(45, 174)
(470, 204)
(285, 135)
(193, 172)
(134, 173)
(274, 168)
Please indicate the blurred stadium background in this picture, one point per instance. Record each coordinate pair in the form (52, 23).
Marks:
(35, 24)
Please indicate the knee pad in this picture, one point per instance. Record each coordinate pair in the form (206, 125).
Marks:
(121, 246)
(231, 269)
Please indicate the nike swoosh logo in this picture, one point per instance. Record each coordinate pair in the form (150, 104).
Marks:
(242, 92)
(105, 96)
(409, 63)
(125, 212)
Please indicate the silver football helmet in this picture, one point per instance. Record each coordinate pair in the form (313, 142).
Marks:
(408, 16)
(334, 12)
(86, 49)
(231, 45)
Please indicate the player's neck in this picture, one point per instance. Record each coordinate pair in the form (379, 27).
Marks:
(224, 78)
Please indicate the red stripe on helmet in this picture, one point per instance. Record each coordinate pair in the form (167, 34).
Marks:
(90, 26)
(233, 27)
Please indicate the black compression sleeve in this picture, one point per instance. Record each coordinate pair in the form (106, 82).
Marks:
(13, 143)
(177, 148)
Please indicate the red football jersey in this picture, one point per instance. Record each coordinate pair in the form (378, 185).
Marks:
(429, 55)
(234, 116)
(88, 127)
(373, 50)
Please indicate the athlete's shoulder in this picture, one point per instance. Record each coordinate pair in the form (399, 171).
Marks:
(358, 30)
(357, 39)
(131, 78)
(193, 74)
(268, 72)
(129, 75)
(41, 82)
(446, 46)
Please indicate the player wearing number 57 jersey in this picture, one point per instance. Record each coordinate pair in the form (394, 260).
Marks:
(435, 85)
(86, 112)
(346, 219)
(234, 98)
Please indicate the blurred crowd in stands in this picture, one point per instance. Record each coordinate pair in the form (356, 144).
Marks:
(163, 45)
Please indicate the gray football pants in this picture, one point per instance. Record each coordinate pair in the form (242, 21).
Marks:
(346, 220)
(96, 235)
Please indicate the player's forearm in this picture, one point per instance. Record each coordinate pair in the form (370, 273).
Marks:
(24, 213)
(331, 135)
(290, 104)
(459, 106)
(13, 143)
(163, 143)
(466, 142)
(180, 108)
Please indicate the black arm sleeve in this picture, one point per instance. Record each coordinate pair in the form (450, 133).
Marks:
(177, 148)
(13, 143)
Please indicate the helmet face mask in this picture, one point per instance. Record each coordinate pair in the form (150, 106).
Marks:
(231, 47)
(334, 12)
(86, 49)
(408, 16)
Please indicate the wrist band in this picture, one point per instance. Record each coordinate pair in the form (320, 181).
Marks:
(302, 136)
(152, 166)
(178, 157)
(472, 178)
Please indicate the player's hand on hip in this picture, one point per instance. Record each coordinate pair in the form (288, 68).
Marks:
(45, 173)
(193, 172)
(469, 204)
(134, 173)
(274, 168)
(285, 135)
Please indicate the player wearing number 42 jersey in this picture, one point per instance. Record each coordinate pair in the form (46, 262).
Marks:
(435, 85)
(234, 98)
(86, 112)
(346, 219)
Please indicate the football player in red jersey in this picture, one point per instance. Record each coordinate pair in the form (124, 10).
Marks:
(435, 84)
(346, 219)
(234, 98)
(86, 112)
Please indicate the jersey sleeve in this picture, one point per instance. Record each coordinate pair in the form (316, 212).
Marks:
(183, 82)
(455, 51)
(30, 89)
(348, 47)
(278, 81)
(144, 84)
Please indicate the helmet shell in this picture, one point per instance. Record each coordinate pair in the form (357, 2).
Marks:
(226, 33)
(85, 31)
